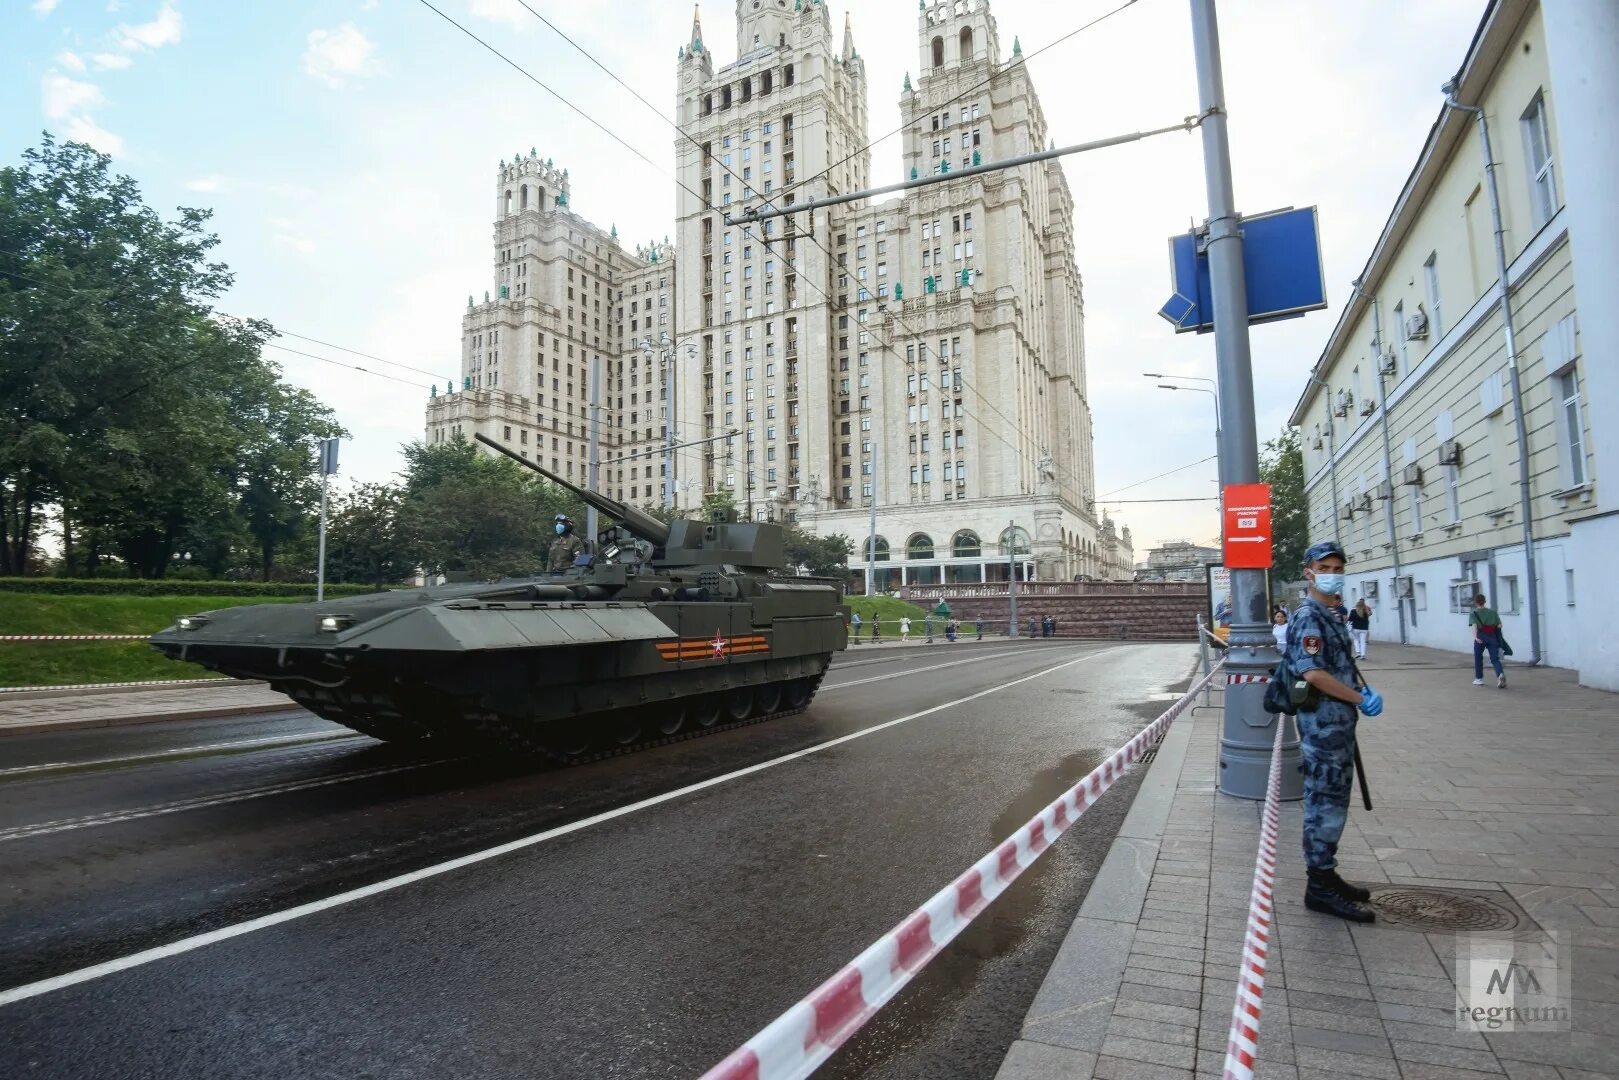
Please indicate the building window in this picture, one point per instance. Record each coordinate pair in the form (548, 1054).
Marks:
(1509, 595)
(1403, 360)
(1570, 432)
(1430, 275)
(1538, 148)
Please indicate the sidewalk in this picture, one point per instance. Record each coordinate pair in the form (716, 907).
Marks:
(1505, 799)
(69, 710)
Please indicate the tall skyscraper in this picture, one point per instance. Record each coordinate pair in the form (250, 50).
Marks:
(925, 352)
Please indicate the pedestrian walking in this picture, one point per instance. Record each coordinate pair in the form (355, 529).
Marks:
(1320, 653)
(855, 622)
(927, 625)
(978, 624)
(950, 628)
(1032, 633)
(1486, 624)
(876, 627)
(905, 628)
(1278, 629)
(1054, 626)
(1360, 625)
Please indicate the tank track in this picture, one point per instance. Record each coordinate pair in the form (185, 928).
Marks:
(493, 731)
(378, 717)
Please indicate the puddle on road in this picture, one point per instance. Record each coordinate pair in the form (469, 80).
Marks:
(934, 1000)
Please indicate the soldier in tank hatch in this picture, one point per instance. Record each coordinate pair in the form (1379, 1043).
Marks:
(566, 547)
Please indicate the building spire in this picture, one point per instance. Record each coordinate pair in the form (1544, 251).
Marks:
(848, 37)
(696, 29)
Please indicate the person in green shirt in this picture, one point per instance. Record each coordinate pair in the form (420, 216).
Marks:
(1486, 626)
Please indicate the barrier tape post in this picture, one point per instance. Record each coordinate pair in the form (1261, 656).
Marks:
(1243, 1045)
(796, 1043)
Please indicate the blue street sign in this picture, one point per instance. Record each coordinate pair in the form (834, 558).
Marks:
(1281, 258)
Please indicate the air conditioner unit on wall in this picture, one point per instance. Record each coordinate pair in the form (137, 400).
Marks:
(1317, 444)
(1389, 364)
(1383, 491)
(1403, 588)
(1349, 511)
(1368, 407)
(1416, 327)
(1344, 402)
(1365, 502)
(1450, 452)
(1369, 589)
(1412, 475)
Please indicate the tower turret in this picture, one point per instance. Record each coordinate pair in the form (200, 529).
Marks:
(762, 24)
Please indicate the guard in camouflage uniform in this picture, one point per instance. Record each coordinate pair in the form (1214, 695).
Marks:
(566, 547)
(1320, 653)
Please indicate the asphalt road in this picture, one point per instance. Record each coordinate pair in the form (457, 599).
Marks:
(614, 939)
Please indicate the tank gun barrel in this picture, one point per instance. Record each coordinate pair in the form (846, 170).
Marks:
(643, 525)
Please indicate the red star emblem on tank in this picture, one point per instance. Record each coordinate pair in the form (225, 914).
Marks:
(719, 644)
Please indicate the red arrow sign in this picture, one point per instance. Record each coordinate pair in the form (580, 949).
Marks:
(1247, 527)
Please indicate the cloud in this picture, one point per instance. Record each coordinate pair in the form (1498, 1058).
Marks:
(43, 8)
(289, 237)
(337, 55)
(110, 61)
(161, 31)
(369, 5)
(63, 97)
(70, 60)
(85, 130)
(211, 183)
(69, 102)
(509, 12)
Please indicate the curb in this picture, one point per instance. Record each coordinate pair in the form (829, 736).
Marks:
(35, 693)
(216, 712)
(1064, 1028)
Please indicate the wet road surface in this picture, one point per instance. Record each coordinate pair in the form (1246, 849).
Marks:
(634, 928)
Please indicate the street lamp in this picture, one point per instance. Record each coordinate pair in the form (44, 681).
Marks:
(1219, 458)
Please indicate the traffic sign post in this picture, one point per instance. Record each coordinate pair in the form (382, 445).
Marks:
(1281, 266)
(1249, 733)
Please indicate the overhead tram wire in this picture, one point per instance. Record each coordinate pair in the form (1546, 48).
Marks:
(810, 235)
(1160, 476)
(964, 94)
(341, 364)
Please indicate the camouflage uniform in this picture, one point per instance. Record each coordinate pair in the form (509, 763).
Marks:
(1316, 640)
(564, 550)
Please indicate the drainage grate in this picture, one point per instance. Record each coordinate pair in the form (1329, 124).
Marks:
(1146, 758)
(1445, 909)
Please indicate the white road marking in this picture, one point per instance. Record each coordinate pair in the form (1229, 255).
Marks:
(263, 922)
(44, 828)
(919, 670)
(158, 755)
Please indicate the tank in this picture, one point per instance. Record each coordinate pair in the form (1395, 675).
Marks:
(665, 631)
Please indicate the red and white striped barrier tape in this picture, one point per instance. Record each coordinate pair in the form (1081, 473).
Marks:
(74, 637)
(1243, 1045)
(1241, 680)
(796, 1043)
(144, 683)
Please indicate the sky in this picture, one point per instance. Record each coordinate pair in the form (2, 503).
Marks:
(348, 150)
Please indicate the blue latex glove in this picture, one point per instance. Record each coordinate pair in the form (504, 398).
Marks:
(1371, 702)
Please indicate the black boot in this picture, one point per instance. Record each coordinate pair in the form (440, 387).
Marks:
(1323, 895)
(1349, 889)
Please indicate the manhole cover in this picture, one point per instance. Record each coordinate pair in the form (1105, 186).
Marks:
(1443, 909)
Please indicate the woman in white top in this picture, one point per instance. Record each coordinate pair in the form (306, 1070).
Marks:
(1278, 630)
(905, 628)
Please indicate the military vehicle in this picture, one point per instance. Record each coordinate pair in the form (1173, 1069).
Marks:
(666, 631)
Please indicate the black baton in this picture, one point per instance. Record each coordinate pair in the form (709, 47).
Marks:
(1360, 774)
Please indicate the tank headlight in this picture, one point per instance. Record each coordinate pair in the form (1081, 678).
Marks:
(331, 624)
(193, 622)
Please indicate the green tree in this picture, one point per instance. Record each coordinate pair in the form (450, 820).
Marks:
(143, 420)
(1282, 467)
(821, 556)
(363, 539)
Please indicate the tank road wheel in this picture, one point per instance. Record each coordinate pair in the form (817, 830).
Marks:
(625, 728)
(798, 692)
(739, 703)
(767, 698)
(704, 712)
(671, 717)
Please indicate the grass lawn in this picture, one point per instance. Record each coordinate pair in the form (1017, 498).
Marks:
(70, 662)
(892, 610)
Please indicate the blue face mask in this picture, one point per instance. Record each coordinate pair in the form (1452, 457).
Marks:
(562, 530)
(1331, 584)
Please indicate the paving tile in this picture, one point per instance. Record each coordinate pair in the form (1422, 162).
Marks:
(1346, 1041)
(1155, 1053)
(1524, 1070)
(1167, 995)
(1427, 1053)
(1112, 1068)
(1338, 1021)
(1361, 1065)
(1158, 1012)
(1041, 1061)
(1349, 1006)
